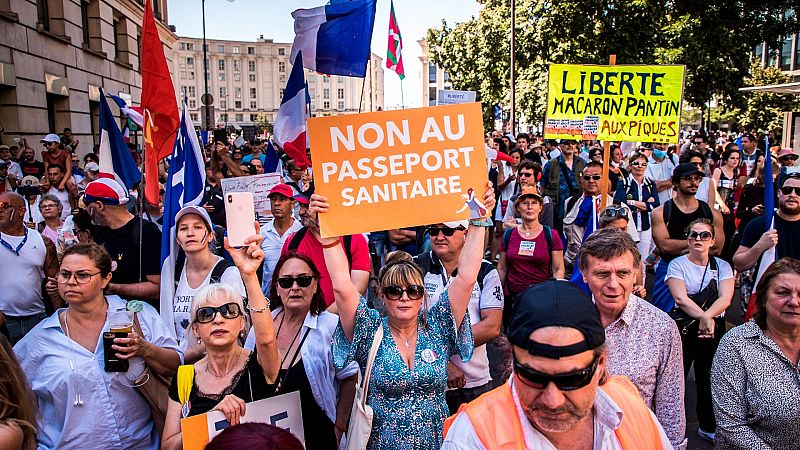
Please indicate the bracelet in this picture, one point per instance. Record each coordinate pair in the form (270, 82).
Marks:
(258, 310)
(484, 222)
(332, 244)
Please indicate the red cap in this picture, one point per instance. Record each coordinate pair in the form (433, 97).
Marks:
(282, 189)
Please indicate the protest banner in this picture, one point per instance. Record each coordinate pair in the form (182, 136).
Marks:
(451, 97)
(614, 103)
(282, 411)
(394, 169)
(259, 185)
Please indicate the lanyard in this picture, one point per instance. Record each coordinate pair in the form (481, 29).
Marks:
(19, 247)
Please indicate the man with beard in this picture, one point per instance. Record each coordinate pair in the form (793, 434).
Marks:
(355, 247)
(757, 238)
(559, 395)
(29, 164)
(277, 230)
(669, 223)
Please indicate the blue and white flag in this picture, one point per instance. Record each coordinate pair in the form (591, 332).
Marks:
(185, 183)
(115, 158)
(335, 38)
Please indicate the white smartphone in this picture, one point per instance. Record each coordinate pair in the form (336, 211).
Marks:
(240, 213)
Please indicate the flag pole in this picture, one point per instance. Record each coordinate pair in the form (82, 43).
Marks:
(361, 101)
(604, 182)
(402, 95)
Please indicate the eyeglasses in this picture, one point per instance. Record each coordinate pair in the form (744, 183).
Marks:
(207, 313)
(700, 236)
(569, 381)
(46, 205)
(616, 211)
(303, 281)
(787, 190)
(447, 231)
(415, 292)
(64, 276)
(638, 164)
(591, 177)
(697, 178)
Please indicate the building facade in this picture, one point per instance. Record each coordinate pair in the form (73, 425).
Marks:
(246, 80)
(55, 55)
(433, 77)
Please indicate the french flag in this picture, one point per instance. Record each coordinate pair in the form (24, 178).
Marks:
(130, 112)
(290, 123)
(335, 39)
(115, 158)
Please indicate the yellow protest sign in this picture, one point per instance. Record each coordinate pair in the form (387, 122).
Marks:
(394, 169)
(614, 103)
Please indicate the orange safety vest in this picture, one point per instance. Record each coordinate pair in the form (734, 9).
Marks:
(489, 415)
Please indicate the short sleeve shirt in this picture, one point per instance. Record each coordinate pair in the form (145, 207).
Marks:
(528, 259)
(696, 277)
(788, 245)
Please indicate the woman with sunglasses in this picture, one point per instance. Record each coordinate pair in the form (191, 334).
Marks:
(196, 268)
(64, 357)
(229, 375)
(409, 375)
(702, 286)
(641, 195)
(304, 335)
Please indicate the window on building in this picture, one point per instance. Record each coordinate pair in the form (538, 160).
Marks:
(90, 18)
(190, 61)
(193, 116)
(786, 54)
(220, 49)
(251, 66)
(281, 51)
(190, 46)
(236, 50)
(326, 93)
(445, 76)
(340, 93)
(191, 73)
(340, 79)
(190, 91)
(281, 66)
(252, 78)
(51, 17)
(222, 76)
(432, 94)
(253, 104)
(58, 112)
(280, 93)
(251, 50)
(282, 78)
(183, 74)
(326, 105)
(182, 46)
(326, 79)
(312, 93)
(223, 104)
(239, 117)
(237, 104)
(237, 65)
(431, 73)
(253, 117)
(193, 104)
(252, 92)
(237, 77)
(223, 117)
(223, 92)
(121, 51)
(221, 64)
(237, 92)
(341, 105)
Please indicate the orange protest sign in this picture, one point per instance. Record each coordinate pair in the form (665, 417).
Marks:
(393, 169)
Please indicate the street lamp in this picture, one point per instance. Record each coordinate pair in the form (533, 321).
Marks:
(207, 99)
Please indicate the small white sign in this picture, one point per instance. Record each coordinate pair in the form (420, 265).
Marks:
(449, 97)
(259, 185)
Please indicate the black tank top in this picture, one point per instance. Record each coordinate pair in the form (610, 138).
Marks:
(678, 221)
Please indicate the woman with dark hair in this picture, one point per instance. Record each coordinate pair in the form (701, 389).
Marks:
(304, 334)
(616, 170)
(726, 178)
(244, 435)
(17, 403)
(81, 401)
(641, 195)
(754, 380)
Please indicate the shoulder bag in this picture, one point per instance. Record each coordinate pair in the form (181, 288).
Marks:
(360, 427)
(153, 387)
(704, 299)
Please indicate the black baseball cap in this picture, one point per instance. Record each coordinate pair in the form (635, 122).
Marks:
(555, 303)
(686, 170)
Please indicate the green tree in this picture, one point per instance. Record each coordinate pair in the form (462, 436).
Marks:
(765, 110)
(262, 124)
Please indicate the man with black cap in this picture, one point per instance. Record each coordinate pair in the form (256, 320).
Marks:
(669, 223)
(560, 179)
(559, 395)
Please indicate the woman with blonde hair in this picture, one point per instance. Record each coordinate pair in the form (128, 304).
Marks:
(17, 403)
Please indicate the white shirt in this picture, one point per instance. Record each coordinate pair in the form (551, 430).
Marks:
(661, 171)
(702, 190)
(14, 169)
(21, 276)
(692, 274)
(184, 296)
(113, 415)
(272, 246)
(607, 418)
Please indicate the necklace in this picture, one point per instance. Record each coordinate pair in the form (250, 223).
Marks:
(233, 366)
(78, 402)
(405, 341)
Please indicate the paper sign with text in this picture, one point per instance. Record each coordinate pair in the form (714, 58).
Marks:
(402, 168)
(282, 411)
(450, 97)
(614, 103)
(259, 185)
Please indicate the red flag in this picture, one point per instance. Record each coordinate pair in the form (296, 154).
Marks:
(158, 102)
(394, 59)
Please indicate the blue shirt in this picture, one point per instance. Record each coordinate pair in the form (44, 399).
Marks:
(113, 415)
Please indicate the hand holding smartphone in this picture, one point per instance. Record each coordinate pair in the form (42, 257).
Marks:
(240, 212)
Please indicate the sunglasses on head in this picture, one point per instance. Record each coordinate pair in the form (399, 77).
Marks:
(568, 381)
(415, 292)
(303, 281)
(591, 177)
(447, 231)
(207, 313)
(700, 236)
(787, 190)
(616, 211)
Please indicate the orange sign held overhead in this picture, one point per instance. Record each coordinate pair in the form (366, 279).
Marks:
(394, 169)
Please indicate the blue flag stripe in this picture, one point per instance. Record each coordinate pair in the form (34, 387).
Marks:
(122, 161)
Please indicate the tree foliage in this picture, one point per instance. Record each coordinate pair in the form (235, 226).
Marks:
(764, 110)
(713, 38)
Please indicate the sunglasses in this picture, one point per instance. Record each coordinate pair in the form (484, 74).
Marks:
(787, 190)
(415, 292)
(700, 236)
(591, 177)
(616, 211)
(303, 281)
(524, 174)
(207, 313)
(447, 231)
(638, 164)
(569, 381)
(692, 178)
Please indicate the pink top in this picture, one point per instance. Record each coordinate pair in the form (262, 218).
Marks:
(528, 260)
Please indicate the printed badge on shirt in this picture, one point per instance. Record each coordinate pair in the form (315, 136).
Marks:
(526, 248)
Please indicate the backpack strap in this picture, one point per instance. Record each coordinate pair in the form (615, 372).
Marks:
(548, 237)
(347, 240)
(507, 238)
(219, 269)
(297, 238)
(667, 211)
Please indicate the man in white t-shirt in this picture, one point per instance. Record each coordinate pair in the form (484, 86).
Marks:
(465, 381)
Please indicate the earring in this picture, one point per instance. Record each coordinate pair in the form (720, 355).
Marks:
(241, 334)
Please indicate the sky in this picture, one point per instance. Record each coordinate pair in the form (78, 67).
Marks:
(247, 19)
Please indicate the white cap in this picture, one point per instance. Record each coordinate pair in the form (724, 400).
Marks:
(457, 223)
(92, 167)
(51, 138)
(195, 210)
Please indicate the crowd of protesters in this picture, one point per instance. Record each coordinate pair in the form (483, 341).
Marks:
(532, 327)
